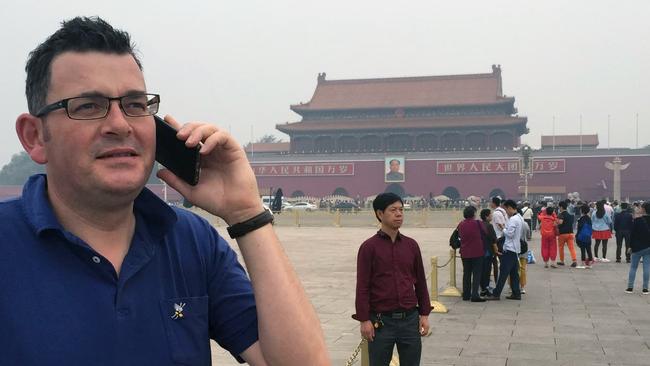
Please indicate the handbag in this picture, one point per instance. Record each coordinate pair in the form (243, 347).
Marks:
(522, 243)
(454, 239)
(523, 246)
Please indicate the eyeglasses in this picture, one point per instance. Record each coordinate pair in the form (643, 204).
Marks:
(96, 107)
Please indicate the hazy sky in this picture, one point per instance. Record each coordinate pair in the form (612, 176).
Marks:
(240, 64)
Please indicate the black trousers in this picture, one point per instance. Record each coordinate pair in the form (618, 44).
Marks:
(485, 275)
(622, 235)
(585, 252)
(472, 269)
(403, 332)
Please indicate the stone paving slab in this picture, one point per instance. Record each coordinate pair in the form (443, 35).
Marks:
(567, 317)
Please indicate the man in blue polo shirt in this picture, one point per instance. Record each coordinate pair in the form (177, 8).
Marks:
(95, 269)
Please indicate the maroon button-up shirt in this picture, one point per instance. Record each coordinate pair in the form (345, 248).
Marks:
(390, 276)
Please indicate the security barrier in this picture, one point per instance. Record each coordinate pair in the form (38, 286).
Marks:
(452, 290)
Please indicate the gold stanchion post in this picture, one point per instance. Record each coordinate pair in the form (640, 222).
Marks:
(296, 215)
(452, 290)
(337, 218)
(365, 359)
(437, 307)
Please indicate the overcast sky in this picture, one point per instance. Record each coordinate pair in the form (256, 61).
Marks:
(240, 64)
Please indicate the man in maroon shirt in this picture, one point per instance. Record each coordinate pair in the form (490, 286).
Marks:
(392, 300)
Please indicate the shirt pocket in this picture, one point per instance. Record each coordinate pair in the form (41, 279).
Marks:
(186, 325)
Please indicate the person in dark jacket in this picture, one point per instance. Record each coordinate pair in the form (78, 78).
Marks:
(584, 243)
(640, 247)
(472, 251)
(623, 222)
(490, 253)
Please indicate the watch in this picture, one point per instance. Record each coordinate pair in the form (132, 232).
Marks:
(245, 227)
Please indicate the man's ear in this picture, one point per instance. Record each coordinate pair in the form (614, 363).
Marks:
(379, 214)
(30, 132)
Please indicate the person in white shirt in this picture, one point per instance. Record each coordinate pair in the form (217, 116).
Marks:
(510, 257)
(499, 216)
(527, 214)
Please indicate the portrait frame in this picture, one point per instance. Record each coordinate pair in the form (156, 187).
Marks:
(399, 175)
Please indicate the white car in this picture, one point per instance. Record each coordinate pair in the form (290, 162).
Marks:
(303, 206)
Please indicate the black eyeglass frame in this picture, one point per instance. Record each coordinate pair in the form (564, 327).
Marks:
(63, 104)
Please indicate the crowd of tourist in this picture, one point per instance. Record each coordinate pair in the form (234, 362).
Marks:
(495, 244)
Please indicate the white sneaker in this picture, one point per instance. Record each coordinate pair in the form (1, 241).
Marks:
(605, 260)
(596, 259)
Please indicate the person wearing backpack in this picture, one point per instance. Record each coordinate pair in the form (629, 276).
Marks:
(583, 237)
(640, 248)
(548, 223)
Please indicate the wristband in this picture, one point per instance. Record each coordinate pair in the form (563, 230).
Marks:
(245, 227)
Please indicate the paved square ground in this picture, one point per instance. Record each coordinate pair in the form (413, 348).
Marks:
(567, 317)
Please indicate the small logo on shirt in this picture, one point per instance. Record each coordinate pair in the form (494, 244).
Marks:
(178, 311)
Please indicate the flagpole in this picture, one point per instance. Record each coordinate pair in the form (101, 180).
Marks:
(553, 133)
(608, 133)
(581, 132)
(252, 145)
(637, 130)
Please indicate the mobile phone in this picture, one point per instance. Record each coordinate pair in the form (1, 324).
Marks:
(172, 153)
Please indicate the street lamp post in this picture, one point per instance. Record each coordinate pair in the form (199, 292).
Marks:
(526, 168)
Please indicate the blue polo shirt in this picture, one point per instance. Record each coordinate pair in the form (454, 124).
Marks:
(62, 303)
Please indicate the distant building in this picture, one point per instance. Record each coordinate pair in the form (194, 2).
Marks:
(570, 142)
(454, 135)
(429, 113)
(273, 147)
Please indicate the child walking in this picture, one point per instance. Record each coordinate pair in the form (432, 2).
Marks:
(548, 223)
(583, 237)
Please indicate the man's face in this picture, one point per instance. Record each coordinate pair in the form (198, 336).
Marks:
(112, 155)
(394, 166)
(510, 210)
(393, 216)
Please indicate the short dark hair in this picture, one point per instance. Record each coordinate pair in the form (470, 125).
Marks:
(496, 200)
(394, 160)
(584, 209)
(384, 200)
(549, 210)
(511, 204)
(562, 204)
(625, 205)
(485, 213)
(80, 34)
(469, 212)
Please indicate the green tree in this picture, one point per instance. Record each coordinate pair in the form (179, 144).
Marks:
(268, 139)
(19, 169)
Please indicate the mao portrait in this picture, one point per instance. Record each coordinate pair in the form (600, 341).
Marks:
(394, 169)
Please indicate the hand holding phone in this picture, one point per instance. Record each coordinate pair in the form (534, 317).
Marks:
(183, 161)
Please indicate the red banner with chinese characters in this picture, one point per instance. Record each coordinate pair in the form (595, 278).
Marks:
(498, 166)
(303, 169)
(549, 165)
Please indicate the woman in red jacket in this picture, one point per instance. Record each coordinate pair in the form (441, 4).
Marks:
(548, 223)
